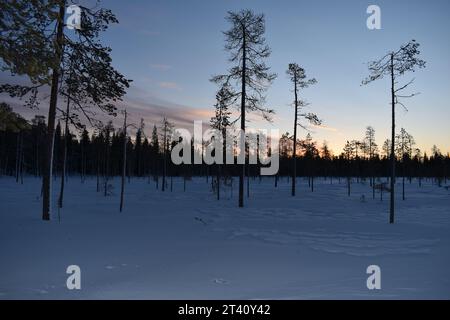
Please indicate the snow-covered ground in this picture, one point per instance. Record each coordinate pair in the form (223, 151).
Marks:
(188, 245)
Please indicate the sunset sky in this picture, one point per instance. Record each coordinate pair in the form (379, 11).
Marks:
(172, 48)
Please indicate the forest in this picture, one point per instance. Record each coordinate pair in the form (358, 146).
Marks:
(100, 153)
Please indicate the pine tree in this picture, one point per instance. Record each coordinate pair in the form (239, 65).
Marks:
(394, 64)
(247, 46)
(221, 122)
(298, 77)
(349, 150)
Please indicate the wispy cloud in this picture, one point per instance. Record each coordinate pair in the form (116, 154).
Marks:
(169, 85)
(324, 127)
(162, 67)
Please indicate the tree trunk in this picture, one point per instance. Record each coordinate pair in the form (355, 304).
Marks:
(218, 181)
(106, 168)
(294, 154)
(124, 161)
(48, 164)
(163, 188)
(18, 156)
(243, 98)
(391, 212)
(348, 186)
(373, 187)
(21, 159)
(98, 171)
(66, 140)
(248, 180)
(82, 161)
(403, 187)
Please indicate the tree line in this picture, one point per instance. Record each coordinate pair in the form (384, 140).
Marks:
(99, 154)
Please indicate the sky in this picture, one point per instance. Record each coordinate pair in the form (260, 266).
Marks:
(172, 48)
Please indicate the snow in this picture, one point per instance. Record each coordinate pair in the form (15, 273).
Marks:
(188, 245)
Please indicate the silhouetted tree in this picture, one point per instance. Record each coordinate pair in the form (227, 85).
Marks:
(247, 45)
(394, 64)
(370, 148)
(298, 77)
(220, 122)
(166, 134)
(403, 147)
(349, 150)
(42, 53)
(124, 158)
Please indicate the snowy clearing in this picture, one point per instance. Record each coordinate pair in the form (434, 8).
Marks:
(188, 245)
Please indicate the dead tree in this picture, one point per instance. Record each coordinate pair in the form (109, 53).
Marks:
(394, 64)
(298, 77)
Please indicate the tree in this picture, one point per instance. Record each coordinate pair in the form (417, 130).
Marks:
(84, 150)
(349, 150)
(167, 131)
(155, 152)
(138, 148)
(247, 46)
(65, 146)
(394, 64)
(27, 46)
(387, 148)
(310, 154)
(404, 148)
(124, 158)
(370, 147)
(325, 151)
(220, 122)
(70, 90)
(298, 77)
(38, 128)
(418, 159)
(326, 154)
(11, 121)
(107, 130)
(32, 46)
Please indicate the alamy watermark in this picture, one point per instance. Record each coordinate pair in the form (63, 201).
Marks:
(229, 146)
(374, 280)
(74, 280)
(373, 22)
(73, 21)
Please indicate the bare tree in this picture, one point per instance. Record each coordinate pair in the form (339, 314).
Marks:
(298, 77)
(247, 46)
(394, 64)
